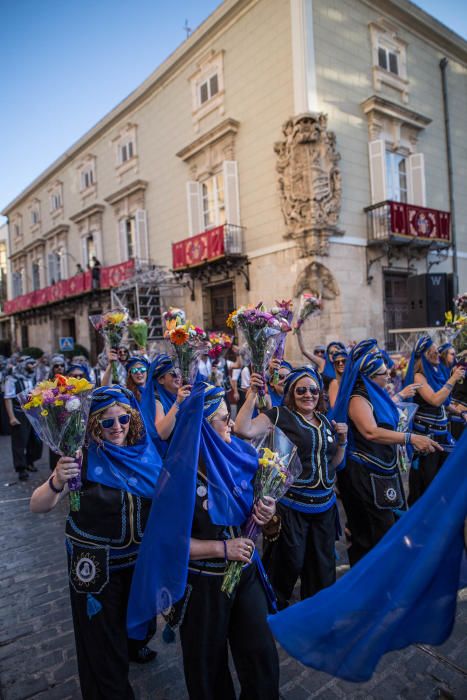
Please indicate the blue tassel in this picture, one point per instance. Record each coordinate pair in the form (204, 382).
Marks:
(92, 606)
(168, 635)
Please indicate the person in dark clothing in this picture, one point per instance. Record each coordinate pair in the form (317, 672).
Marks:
(96, 273)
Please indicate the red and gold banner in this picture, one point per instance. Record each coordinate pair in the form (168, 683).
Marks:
(198, 249)
(420, 222)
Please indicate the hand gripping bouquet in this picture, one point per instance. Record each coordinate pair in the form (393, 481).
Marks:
(112, 324)
(258, 330)
(185, 345)
(138, 330)
(284, 314)
(310, 305)
(279, 466)
(407, 413)
(58, 411)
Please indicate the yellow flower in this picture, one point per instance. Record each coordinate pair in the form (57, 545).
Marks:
(231, 319)
(44, 412)
(269, 454)
(58, 402)
(448, 317)
(115, 318)
(79, 385)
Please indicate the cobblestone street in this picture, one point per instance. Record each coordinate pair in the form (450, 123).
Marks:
(37, 656)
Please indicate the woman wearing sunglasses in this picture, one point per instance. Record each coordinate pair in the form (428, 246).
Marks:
(308, 514)
(370, 483)
(338, 359)
(137, 371)
(276, 391)
(119, 473)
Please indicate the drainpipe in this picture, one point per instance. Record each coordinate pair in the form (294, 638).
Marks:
(447, 128)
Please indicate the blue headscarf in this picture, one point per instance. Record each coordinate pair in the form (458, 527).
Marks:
(276, 398)
(385, 409)
(443, 367)
(82, 368)
(300, 372)
(136, 360)
(388, 361)
(158, 367)
(402, 592)
(347, 381)
(433, 374)
(362, 348)
(332, 348)
(134, 468)
(161, 569)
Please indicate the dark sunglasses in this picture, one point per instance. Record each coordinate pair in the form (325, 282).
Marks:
(340, 361)
(109, 422)
(138, 370)
(63, 366)
(320, 352)
(282, 377)
(76, 376)
(381, 374)
(225, 419)
(302, 390)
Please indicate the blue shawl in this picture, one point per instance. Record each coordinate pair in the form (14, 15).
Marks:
(443, 367)
(133, 468)
(276, 398)
(433, 374)
(402, 592)
(331, 349)
(158, 367)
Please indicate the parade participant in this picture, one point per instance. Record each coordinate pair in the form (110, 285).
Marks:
(432, 398)
(455, 409)
(308, 513)
(57, 365)
(447, 359)
(275, 395)
(137, 371)
(162, 397)
(370, 485)
(338, 358)
(120, 357)
(43, 368)
(25, 446)
(208, 464)
(119, 473)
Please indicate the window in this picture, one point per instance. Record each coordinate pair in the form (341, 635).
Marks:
(388, 60)
(213, 201)
(134, 236)
(90, 249)
(127, 151)
(396, 177)
(34, 217)
(207, 86)
(208, 89)
(17, 230)
(18, 282)
(130, 237)
(36, 276)
(55, 266)
(389, 53)
(87, 178)
(56, 201)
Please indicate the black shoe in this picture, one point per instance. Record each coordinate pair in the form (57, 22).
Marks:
(143, 656)
(23, 476)
(32, 468)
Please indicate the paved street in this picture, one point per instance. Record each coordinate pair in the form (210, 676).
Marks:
(37, 657)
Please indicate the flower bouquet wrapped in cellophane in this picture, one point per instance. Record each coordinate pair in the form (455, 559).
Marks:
(173, 313)
(58, 411)
(138, 330)
(258, 331)
(220, 344)
(407, 413)
(185, 345)
(455, 326)
(278, 467)
(284, 314)
(310, 305)
(112, 325)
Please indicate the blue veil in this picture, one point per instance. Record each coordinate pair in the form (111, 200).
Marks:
(82, 368)
(402, 592)
(328, 370)
(134, 468)
(160, 575)
(276, 398)
(444, 369)
(434, 375)
(158, 367)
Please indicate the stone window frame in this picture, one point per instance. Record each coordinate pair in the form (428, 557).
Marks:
(208, 66)
(16, 223)
(34, 208)
(87, 166)
(384, 35)
(56, 199)
(123, 142)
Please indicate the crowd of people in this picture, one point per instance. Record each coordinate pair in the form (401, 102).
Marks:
(187, 451)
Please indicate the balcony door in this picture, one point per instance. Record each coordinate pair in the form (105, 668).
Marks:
(222, 303)
(396, 301)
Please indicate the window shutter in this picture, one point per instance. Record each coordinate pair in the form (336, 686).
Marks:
(231, 195)
(63, 262)
(97, 236)
(377, 154)
(84, 251)
(51, 266)
(122, 239)
(416, 179)
(141, 226)
(195, 207)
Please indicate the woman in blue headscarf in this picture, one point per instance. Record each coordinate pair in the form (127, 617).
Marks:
(370, 484)
(447, 359)
(457, 407)
(432, 398)
(119, 473)
(136, 375)
(338, 359)
(276, 391)
(308, 513)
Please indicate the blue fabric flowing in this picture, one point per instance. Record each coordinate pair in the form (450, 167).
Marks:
(158, 367)
(161, 569)
(328, 370)
(388, 361)
(434, 375)
(403, 592)
(276, 399)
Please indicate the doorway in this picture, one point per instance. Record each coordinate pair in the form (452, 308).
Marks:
(395, 305)
(222, 303)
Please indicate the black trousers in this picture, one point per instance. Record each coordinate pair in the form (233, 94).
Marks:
(102, 645)
(26, 448)
(367, 523)
(212, 621)
(422, 474)
(305, 549)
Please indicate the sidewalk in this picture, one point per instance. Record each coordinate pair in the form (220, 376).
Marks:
(37, 656)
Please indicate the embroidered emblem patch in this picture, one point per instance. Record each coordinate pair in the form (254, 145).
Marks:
(86, 569)
(391, 494)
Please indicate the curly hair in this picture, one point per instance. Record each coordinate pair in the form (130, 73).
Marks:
(135, 431)
(133, 387)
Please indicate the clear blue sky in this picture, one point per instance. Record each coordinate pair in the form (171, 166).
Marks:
(64, 64)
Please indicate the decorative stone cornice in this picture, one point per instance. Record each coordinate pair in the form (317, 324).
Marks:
(88, 211)
(135, 186)
(377, 106)
(61, 228)
(228, 127)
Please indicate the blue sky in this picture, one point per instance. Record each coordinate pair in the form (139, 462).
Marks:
(64, 64)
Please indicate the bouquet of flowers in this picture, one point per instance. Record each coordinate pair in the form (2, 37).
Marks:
(258, 329)
(220, 343)
(112, 325)
(284, 314)
(58, 411)
(407, 412)
(461, 303)
(138, 330)
(174, 314)
(185, 345)
(279, 466)
(310, 305)
(455, 326)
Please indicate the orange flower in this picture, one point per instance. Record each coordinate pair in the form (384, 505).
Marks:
(178, 336)
(61, 380)
(171, 325)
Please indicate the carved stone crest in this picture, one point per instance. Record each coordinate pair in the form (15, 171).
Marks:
(318, 279)
(309, 182)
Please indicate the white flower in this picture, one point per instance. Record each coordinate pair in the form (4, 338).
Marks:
(73, 404)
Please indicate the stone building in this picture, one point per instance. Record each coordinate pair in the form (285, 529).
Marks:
(285, 146)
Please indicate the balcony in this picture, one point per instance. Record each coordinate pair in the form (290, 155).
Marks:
(217, 251)
(402, 224)
(111, 276)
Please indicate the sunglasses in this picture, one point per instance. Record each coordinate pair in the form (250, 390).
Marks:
(320, 352)
(107, 423)
(138, 370)
(302, 390)
(381, 374)
(340, 361)
(76, 376)
(225, 419)
(62, 366)
(282, 377)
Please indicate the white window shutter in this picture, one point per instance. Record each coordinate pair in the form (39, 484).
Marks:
(84, 251)
(122, 240)
(416, 179)
(377, 155)
(141, 233)
(195, 207)
(51, 266)
(231, 192)
(63, 262)
(97, 235)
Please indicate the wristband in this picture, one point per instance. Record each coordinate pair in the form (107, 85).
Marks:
(342, 444)
(54, 489)
(225, 550)
(408, 437)
(449, 386)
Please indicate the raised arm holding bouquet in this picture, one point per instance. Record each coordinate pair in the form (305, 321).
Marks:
(284, 314)
(138, 330)
(310, 305)
(112, 326)
(185, 345)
